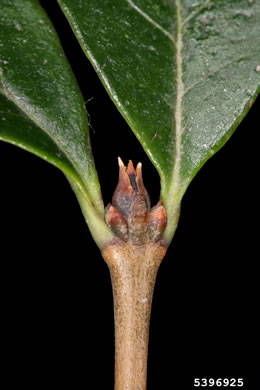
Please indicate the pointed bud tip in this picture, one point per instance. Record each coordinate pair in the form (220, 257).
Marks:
(120, 162)
(123, 177)
(139, 170)
(130, 168)
(139, 175)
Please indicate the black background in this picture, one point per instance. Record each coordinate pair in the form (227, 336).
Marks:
(57, 311)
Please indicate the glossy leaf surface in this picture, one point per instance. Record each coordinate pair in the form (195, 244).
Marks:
(18, 130)
(182, 73)
(42, 109)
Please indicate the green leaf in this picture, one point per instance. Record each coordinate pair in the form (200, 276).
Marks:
(42, 108)
(18, 130)
(38, 82)
(182, 73)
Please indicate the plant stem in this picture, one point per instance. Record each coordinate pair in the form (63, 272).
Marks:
(133, 272)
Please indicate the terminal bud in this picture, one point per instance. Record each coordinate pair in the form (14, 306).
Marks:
(129, 216)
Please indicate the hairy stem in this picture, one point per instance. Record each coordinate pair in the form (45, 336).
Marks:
(133, 272)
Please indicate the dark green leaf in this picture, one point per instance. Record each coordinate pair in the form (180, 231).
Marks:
(182, 73)
(18, 130)
(42, 103)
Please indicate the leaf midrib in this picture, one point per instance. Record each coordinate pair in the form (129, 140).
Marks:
(177, 114)
(170, 192)
(177, 108)
(172, 195)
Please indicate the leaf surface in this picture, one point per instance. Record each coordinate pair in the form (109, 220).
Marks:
(18, 130)
(42, 109)
(182, 73)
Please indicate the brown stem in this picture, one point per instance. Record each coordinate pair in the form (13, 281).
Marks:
(133, 272)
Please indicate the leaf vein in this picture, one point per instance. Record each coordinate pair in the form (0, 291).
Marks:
(150, 20)
(195, 13)
(210, 74)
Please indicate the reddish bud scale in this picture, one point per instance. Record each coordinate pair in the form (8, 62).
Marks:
(129, 216)
(116, 222)
(157, 222)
